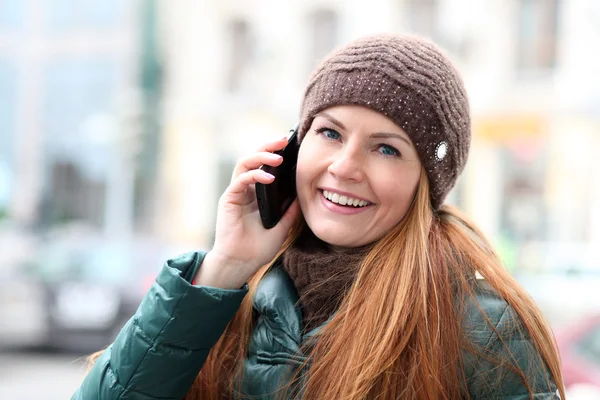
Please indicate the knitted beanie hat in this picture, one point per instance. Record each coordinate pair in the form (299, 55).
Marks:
(413, 83)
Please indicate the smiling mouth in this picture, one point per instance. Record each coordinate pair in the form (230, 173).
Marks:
(343, 200)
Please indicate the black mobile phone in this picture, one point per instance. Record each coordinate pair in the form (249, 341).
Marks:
(275, 198)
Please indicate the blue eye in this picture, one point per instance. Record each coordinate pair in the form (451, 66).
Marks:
(388, 150)
(329, 133)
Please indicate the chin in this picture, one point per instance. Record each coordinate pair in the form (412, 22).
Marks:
(335, 237)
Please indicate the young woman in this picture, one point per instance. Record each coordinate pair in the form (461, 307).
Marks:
(368, 288)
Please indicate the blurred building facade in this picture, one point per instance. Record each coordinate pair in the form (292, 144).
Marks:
(130, 115)
(235, 71)
(71, 111)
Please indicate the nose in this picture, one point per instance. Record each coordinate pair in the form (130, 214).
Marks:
(347, 165)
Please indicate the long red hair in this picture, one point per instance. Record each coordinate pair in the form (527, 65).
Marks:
(397, 333)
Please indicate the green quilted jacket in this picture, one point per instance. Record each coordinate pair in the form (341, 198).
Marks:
(159, 352)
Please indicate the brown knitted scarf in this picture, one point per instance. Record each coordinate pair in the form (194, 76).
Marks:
(322, 275)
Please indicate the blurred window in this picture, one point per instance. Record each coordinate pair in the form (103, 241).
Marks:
(8, 101)
(537, 34)
(241, 51)
(76, 14)
(589, 346)
(524, 215)
(76, 89)
(12, 14)
(73, 196)
(422, 16)
(324, 34)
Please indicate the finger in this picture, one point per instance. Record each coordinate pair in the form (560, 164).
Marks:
(274, 145)
(254, 161)
(288, 219)
(241, 183)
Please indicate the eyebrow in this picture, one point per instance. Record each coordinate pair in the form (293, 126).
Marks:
(331, 119)
(384, 135)
(377, 135)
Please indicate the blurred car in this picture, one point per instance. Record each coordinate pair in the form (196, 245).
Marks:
(77, 290)
(90, 287)
(579, 346)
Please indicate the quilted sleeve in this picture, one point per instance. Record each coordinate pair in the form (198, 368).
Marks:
(161, 349)
(496, 355)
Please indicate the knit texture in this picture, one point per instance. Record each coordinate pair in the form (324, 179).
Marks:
(322, 275)
(412, 82)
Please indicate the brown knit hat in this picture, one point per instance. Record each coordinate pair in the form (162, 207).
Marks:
(412, 82)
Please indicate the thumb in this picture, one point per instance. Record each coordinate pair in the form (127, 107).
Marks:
(288, 218)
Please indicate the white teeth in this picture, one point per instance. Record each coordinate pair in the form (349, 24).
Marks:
(344, 200)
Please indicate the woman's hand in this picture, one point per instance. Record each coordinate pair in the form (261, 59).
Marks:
(242, 244)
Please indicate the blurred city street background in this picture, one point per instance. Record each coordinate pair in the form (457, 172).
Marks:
(121, 121)
(35, 375)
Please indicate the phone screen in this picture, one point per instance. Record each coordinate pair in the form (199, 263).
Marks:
(275, 198)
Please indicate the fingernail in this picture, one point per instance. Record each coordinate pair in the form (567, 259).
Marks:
(275, 156)
(268, 175)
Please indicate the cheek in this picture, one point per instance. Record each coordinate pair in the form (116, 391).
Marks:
(304, 171)
(308, 160)
(397, 189)
(301, 166)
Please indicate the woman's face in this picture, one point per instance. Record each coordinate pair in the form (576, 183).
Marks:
(357, 174)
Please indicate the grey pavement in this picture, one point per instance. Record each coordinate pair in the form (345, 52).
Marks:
(32, 376)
